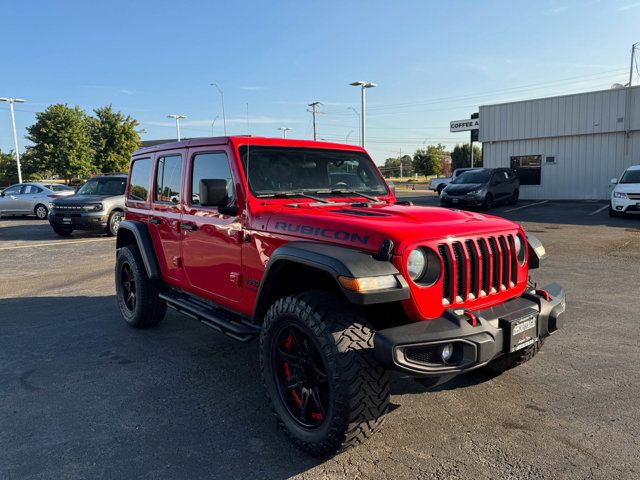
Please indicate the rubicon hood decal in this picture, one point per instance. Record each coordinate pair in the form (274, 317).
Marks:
(321, 232)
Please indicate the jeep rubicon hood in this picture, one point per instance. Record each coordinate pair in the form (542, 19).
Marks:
(366, 227)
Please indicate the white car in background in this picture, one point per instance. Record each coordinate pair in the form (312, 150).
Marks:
(31, 198)
(625, 197)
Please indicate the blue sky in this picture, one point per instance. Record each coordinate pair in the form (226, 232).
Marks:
(433, 62)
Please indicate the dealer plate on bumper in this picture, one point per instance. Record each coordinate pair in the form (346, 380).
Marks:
(522, 332)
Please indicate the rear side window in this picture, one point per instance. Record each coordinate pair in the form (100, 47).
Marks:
(31, 189)
(210, 166)
(168, 176)
(139, 180)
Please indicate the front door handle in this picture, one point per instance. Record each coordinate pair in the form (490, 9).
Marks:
(155, 221)
(188, 226)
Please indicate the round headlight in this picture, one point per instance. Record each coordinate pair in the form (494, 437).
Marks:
(520, 249)
(416, 264)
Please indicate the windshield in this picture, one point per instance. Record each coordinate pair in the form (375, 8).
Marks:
(104, 186)
(273, 170)
(473, 176)
(631, 176)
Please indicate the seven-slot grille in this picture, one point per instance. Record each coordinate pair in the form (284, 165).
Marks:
(477, 268)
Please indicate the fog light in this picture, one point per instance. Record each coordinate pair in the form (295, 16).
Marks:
(447, 352)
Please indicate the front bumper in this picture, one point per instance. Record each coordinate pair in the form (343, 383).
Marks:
(79, 221)
(625, 205)
(416, 348)
(461, 200)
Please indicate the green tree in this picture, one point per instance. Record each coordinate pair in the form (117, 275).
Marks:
(113, 138)
(428, 161)
(62, 141)
(391, 167)
(30, 167)
(461, 156)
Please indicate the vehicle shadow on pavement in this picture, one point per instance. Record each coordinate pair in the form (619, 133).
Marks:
(406, 385)
(86, 396)
(37, 231)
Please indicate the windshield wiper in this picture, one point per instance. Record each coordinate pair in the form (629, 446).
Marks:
(347, 191)
(292, 194)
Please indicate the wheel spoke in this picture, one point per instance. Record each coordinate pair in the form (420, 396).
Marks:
(296, 340)
(292, 359)
(293, 385)
(304, 398)
(316, 399)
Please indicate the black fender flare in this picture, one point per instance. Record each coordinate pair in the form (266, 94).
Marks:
(140, 233)
(336, 261)
(536, 251)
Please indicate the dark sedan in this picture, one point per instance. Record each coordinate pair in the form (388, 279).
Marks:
(482, 188)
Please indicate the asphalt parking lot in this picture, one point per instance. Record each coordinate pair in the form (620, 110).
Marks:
(84, 396)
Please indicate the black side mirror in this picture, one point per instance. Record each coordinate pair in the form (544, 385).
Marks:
(213, 193)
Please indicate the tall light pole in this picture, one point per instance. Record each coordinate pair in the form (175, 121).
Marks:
(213, 123)
(359, 132)
(314, 111)
(224, 117)
(15, 135)
(363, 86)
(284, 131)
(177, 117)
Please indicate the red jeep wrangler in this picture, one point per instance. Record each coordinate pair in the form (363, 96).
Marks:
(303, 245)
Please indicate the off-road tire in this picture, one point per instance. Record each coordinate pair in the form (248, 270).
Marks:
(512, 360)
(62, 231)
(41, 211)
(358, 385)
(113, 223)
(148, 308)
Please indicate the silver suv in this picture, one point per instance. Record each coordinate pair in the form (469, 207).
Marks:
(98, 205)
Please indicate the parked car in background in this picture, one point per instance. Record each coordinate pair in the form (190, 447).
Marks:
(31, 198)
(438, 184)
(98, 205)
(625, 197)
(482, 188)
(392, 186)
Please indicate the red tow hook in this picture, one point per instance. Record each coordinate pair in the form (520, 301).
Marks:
(473, 320)
(544, 294)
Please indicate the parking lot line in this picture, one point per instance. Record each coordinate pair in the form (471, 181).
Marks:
(595, 212)
(60, 242)
(526, 206)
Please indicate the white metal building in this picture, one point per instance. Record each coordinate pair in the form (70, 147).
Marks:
(566, 147)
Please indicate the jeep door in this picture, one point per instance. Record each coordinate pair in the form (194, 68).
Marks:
(212, 240)
(166, 212)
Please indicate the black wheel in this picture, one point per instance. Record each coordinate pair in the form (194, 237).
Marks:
(440, 188)
(324, 385)
(113, 223)
(511, 360)
(488, 202)
(614, 213)
(41, 211)
(514, 198)
(62, 231)
(137, 294)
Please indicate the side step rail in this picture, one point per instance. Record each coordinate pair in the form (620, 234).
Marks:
(226, 322)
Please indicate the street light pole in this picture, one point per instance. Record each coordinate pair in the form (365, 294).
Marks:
(363, 108)
(284, 131)
(224, 117)
(213, 124)
(177, 118)
(15, 135)
(314, 111)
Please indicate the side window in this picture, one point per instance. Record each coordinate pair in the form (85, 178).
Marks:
(15, 190)
(210, 166)
(139, 180)
(32, 189)
(168, 175)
